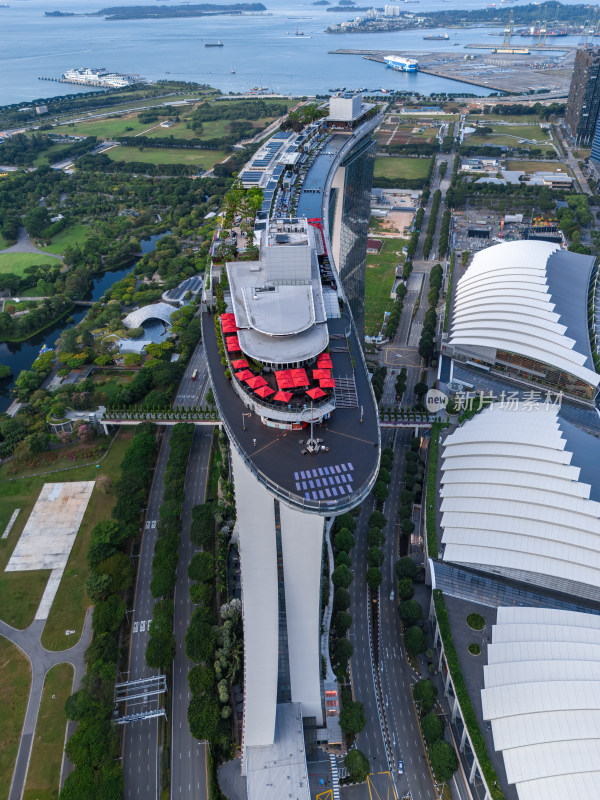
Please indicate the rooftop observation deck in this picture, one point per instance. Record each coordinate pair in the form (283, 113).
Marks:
(275, 456)
(340, 477)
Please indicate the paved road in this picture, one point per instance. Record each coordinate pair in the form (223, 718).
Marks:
(25, 245)
(189, 768)
(572, 161)
(141, 745)
(41, 660)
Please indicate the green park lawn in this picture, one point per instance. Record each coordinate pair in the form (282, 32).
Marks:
(69, 237)
(43, 774)
(51, 155)
(397, 167)
(538, 166)
(105, 128)
(3, 242)
(20, 592)
(14, 694)
(381, 270)
(203, 159)
(17, 262)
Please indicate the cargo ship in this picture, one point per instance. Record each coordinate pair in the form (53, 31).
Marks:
(441, 38)
(214, 44)
(401, 64)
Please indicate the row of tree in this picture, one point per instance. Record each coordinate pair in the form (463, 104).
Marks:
(428, 334)
(160, 650)
(432, 223)
(411, 247)
(213, 641)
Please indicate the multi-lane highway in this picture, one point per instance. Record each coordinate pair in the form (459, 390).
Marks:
(141, 740)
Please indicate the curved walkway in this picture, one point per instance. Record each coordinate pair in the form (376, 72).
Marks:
(41, 660)
(25, 245)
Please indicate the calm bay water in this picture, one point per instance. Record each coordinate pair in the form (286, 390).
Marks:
(258, 50)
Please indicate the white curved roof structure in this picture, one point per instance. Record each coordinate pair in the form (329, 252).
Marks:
(543, 701)
(520, 491)
(529, 298)
(161, 311)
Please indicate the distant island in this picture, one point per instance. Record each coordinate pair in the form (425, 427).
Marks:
(320, 3)
(164, 12)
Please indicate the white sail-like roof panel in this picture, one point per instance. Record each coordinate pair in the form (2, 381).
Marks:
(520, 490)
(543, 703)
(528, 298)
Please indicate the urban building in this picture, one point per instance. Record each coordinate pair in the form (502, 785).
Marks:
(595, 154)
(520, 310)
(583, 103)
(541, 664)
(294, 385)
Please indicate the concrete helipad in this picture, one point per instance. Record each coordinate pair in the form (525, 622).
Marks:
(49, 534)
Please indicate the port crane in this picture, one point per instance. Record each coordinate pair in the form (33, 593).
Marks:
(509, 30)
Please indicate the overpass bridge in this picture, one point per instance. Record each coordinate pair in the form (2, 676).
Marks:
(407, 419)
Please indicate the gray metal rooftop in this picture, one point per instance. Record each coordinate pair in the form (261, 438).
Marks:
(568, 277)
(279, 770)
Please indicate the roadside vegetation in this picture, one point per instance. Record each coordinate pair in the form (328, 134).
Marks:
(94, 747)
(14, 694)
(43, 772)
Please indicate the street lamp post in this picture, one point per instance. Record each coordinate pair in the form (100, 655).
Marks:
(244, 420)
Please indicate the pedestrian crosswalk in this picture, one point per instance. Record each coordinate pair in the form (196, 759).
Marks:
(335, 777)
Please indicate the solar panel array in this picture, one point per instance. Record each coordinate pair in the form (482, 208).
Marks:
(325, 483)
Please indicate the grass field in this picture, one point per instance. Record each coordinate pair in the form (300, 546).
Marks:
(20, 592)
(74, 235)
(43, 774)
(3, 242)
(203, 159)
(493, 119)
(396, 167)
(14, 693)
(105, 128)
(17, 262)
(379, 280)
(52, 154)
(538, 166)
(71, 601)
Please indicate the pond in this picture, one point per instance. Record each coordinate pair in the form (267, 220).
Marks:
(21, 355)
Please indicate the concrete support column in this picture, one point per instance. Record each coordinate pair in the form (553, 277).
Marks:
(473, 772)
(454, 709)
(302, 547)
(463, 739)
(447, 684)
(258, 556)
(440, 660)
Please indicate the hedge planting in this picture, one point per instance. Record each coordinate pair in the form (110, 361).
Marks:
(161, 643)
(432, 544)
(462, 695)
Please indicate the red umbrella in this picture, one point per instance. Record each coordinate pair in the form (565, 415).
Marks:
(321, 373)
(228, 317)
(233, 344)
(283, 397)
(324, 358)
(316, 393)
(240, 363)
(229, 327)
(299, 377)
(327, 383)
(244, 374)
(256, 381)
(264, 391)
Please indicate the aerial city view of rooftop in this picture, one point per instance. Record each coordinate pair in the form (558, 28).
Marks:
(300, 400)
